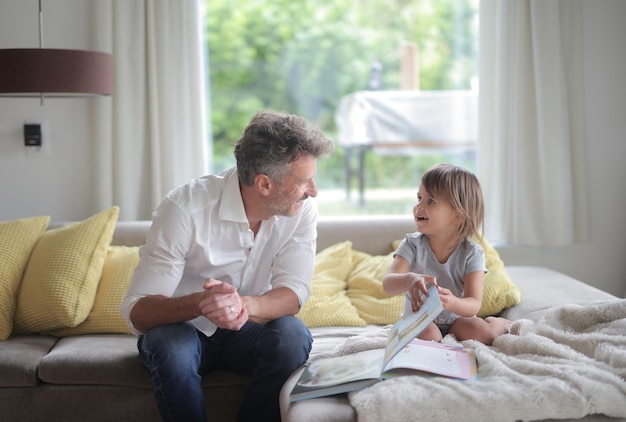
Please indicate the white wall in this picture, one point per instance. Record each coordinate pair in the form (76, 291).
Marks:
(60, 184)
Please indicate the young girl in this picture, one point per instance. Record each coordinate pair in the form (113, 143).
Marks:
(449, 211)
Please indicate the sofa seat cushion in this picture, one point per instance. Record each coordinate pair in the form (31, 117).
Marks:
(542, 288)
(106, 359)
(109, 359)
(325, 339)
(21, 357)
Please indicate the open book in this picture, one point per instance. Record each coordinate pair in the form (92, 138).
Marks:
(403, 355)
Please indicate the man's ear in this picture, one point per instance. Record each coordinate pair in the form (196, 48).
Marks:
(263, 184)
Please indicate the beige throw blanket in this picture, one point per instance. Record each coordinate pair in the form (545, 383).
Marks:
(570, 364)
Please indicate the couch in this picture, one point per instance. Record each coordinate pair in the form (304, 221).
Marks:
(87, 368)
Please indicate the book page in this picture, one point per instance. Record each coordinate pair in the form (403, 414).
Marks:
(435, 358)
(412, 325)
(341, 369)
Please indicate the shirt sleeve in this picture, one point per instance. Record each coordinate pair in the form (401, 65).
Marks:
(475, 258)
(161, 258)
(407, 248)
(295, 261)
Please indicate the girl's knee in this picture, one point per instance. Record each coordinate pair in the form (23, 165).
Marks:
(431, 332)
(482, 330)
(473, 328)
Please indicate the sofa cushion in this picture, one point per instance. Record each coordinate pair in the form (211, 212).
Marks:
(543, 288)
(365, 289)
(60, 282)
(499, 291)
(110, 359)
(21, 355)
(329, 304)
(105, 317)
(18, 240)
(106, 359)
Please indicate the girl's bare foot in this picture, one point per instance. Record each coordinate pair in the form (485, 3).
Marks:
(503, 323)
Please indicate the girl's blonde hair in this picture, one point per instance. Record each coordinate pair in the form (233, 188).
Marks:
(461, 188)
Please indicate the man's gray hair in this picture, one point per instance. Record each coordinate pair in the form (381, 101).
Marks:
(272, 141)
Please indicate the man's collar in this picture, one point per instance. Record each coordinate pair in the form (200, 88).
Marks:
(231, 208)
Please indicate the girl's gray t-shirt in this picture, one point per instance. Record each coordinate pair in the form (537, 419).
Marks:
(466, 258)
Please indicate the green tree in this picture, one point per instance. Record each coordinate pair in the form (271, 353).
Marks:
(303, 56)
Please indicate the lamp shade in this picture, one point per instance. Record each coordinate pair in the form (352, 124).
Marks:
(55, 72)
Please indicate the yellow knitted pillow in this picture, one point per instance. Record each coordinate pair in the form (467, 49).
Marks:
(17, 240)
(105, 317)
(365, 289)
(499, 292)
(60, 282)
(328, 304)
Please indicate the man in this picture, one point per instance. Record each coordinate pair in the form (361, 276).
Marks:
(226, 266)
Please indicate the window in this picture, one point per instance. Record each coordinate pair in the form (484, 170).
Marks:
(306, 56)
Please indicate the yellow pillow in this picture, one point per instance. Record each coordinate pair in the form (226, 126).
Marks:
(17, 240)
(60, 282)
(365, 289)
(105, 317)
(328, 304)
(499, 292)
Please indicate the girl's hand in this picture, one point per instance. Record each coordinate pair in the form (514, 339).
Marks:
(447, 298)
(418, 289)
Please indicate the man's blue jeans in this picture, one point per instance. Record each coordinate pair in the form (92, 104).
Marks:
(177, 356)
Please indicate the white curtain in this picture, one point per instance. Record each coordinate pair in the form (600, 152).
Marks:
(531, 157)
(151, 136)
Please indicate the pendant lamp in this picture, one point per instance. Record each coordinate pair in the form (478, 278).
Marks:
(46, 72)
